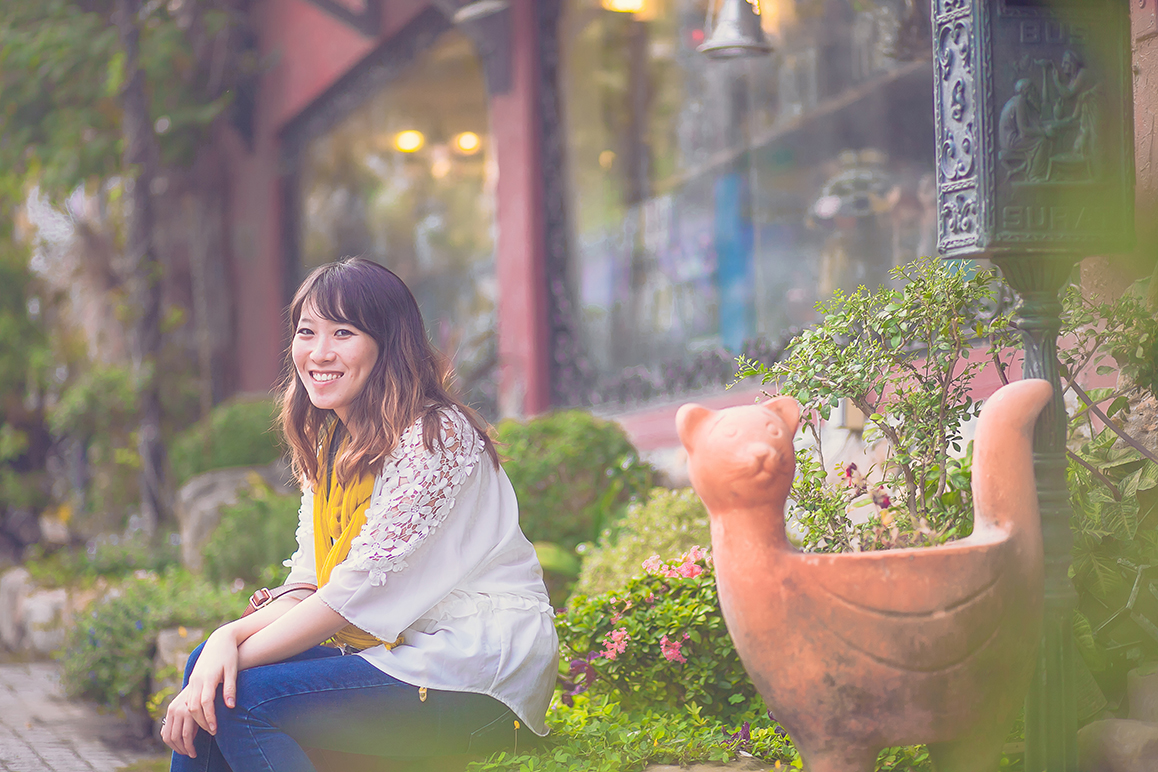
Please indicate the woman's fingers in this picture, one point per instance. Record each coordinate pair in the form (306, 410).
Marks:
(206, 716)
(188, 734)
(229, 684)
(178, 731)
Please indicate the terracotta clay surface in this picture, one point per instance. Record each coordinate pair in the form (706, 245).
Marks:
(856, 652)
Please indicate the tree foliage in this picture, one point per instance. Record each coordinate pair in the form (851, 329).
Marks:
(61, 73)
(74, 114)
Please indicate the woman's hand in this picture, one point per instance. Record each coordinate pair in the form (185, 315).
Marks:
(216, 666)
(178, 729)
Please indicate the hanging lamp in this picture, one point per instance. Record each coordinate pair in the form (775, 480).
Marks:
(736, 32)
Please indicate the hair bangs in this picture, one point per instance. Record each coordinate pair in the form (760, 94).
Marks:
(329, 294)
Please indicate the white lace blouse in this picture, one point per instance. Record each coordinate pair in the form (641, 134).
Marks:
(441, 561)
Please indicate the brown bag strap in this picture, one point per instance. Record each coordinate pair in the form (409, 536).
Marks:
(265, 596)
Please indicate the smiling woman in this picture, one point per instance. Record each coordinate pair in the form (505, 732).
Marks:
(409, 530)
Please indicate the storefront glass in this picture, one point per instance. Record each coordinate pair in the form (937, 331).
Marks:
(408, 180)
(713, 203)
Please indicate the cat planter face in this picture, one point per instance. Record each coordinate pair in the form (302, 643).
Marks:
(747, 451)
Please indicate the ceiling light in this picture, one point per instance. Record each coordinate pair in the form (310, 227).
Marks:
(409, 141)
(467, 143)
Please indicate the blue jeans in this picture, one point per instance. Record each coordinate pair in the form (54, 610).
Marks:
(323, 699)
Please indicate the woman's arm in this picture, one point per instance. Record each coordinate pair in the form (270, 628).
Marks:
(221, 658)
(307, 624)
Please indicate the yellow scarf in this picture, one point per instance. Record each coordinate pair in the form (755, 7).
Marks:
(339, 514)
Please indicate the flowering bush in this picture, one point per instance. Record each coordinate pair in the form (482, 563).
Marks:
(660, 642)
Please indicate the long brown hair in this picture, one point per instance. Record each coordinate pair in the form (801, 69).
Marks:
(406, 383)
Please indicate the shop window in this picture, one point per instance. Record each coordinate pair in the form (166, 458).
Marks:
(713, 203)
(408, 180)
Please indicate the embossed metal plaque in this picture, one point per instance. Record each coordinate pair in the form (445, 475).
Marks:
(1035, 131)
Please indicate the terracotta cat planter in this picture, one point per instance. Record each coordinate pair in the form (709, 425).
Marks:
(860, 651)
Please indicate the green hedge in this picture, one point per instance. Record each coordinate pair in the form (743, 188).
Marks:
(669, 523)
(235, 433)
(574, 475)
(253, 538)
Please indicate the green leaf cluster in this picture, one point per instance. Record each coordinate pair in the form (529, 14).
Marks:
(109, 557)
(1113, 485)
(240, 432)
(61, 74)
(253, 538)
(108, 655)
(596, 734)
(670, 522)
(24, 366)
(574, 475)
(98, 407)
(904, 357)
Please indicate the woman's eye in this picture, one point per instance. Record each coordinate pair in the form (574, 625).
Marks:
(304, 331)
(342, 334)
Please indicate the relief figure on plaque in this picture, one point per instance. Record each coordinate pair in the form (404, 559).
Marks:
(1050, 133)
(1020, 134)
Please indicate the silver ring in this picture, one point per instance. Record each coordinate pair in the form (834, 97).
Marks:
(163, 720)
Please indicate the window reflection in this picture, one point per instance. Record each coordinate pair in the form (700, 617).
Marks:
(408, 180)
(713, 203)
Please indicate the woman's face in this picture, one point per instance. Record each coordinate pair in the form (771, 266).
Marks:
(333, 360)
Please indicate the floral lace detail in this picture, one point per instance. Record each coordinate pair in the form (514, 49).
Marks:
(305, 530)
(461, 603)
(416, 491)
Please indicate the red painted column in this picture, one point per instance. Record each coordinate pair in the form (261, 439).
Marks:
(523, 331)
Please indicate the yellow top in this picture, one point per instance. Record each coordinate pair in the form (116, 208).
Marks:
(339, 514)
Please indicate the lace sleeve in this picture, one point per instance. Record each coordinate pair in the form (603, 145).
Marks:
(301, 563)
(416, 492)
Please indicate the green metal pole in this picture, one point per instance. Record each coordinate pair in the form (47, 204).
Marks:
(1051, 707)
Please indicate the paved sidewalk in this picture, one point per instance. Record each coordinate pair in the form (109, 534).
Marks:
(40, 731)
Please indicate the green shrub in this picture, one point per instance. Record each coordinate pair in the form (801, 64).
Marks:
(236, 433)
(574, 475)
(596, 734)
(108, 655)
(25, 360)
(1112, 477)
(109, 556)
(660, 642)
(253, 538)
(668, 523)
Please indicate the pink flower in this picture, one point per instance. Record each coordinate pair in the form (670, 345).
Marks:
(671, 649)
(881, 498)
(694, 555)
(689, 570)
(615, 643)
(653, 565)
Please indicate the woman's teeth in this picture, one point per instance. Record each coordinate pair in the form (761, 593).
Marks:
(326, 376)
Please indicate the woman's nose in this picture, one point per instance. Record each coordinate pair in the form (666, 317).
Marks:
(323, 349)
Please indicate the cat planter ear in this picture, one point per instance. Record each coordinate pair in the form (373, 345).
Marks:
(789, 411)
(688, 420)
